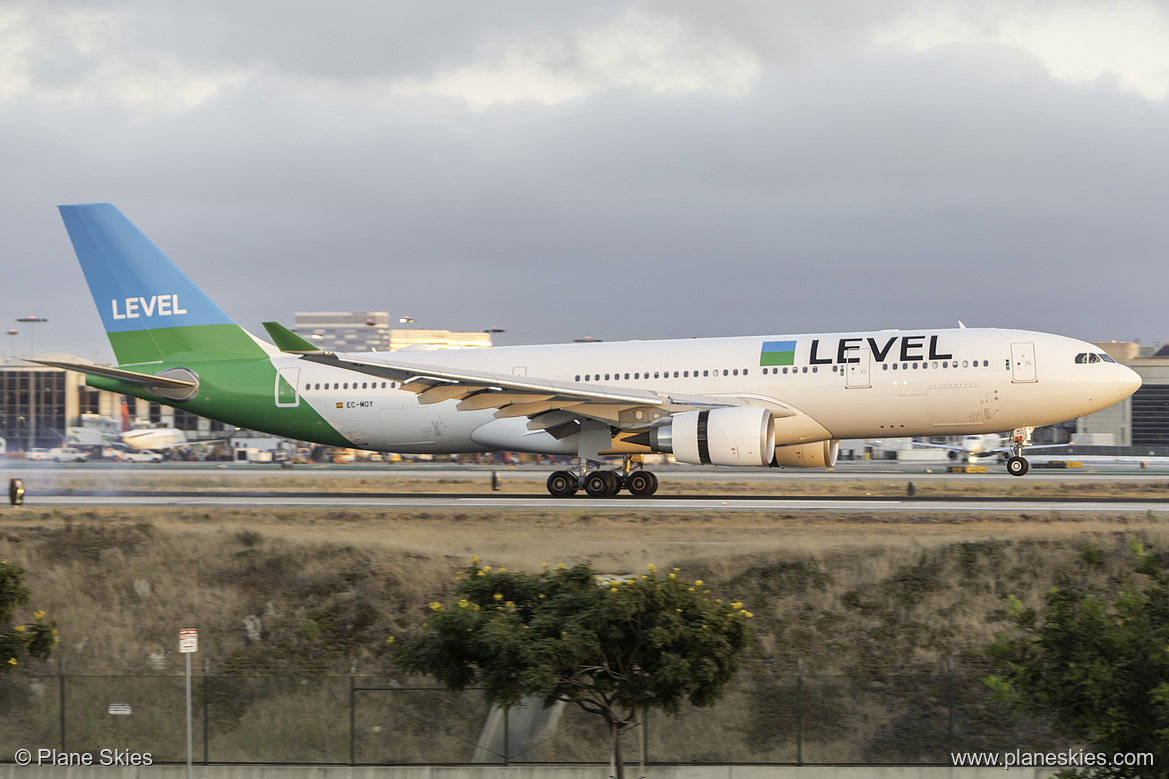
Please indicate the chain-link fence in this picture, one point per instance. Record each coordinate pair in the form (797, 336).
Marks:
(764, 718)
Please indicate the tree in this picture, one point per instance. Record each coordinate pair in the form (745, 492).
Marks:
(1100, 669)
(614, 649)
(35, 639)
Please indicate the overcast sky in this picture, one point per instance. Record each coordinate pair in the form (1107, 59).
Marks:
(609, 169)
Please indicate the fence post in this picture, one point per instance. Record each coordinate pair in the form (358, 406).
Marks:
(506, 727)
(800, 711)
(645, 734)
(206, 709)
(352, 716)
(950, 697)
(61, 702)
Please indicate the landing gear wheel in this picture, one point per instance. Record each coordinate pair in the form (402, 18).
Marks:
(562, 484)
(642, 483)
(1017, 466)
(601, 484)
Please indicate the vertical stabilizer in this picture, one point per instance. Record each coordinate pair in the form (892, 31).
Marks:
(150, 309)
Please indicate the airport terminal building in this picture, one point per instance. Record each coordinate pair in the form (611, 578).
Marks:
(42, 407)
(1138, 425)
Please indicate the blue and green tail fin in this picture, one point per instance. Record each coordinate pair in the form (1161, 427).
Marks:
(151, 311)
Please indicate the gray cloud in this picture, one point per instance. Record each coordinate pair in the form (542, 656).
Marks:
(852, 185)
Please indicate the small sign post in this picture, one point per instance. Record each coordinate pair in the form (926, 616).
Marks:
(188, 644)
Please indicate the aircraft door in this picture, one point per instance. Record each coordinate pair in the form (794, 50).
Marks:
(1023, 362)
(287, 380)
(858, 375)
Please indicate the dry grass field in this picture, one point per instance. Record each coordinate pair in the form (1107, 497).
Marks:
(319, 589)
(289, 602)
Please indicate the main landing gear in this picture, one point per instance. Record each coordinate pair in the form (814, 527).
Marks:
(599, 483)
(1016, 464)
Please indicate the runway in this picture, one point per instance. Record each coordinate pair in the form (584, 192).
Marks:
(868, 486)
(714, 503)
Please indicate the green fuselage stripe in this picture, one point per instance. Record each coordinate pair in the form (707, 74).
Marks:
(240, 392)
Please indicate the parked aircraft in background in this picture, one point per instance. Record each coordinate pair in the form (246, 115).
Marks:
(974, 447)
(778, 400)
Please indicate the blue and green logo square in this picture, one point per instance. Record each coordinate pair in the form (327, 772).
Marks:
(778, 353)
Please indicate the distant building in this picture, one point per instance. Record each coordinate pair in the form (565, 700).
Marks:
(1140, 421)
(60, 402)
(363, 331)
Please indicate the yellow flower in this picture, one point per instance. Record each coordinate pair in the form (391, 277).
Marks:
(612, 589)
(487, 568)
(699, 582)
(463, 603)
(543, 565)
(503, 570)
(390, 640)
(475, 559)
(510, 604)
(653, 568)
(560, 566)
(541, 596)
(479, 574)
(498, 596)
(39, 614)
(673, 576)
(11, 660)
(436, 606)
(737, 605)
(19, 628)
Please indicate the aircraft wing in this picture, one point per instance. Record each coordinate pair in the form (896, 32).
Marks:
(517, 396)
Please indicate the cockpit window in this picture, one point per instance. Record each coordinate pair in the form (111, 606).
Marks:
(1106, 358)
(1081, 358)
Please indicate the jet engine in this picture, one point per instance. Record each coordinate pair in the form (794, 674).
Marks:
(821, 454)
(741, 435)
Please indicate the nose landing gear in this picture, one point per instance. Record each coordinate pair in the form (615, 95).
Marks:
(599, 483)
(1017, 465)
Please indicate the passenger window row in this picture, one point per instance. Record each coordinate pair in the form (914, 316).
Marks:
(345, 385)
(661, 375)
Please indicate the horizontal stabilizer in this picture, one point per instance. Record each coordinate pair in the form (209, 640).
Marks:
(120, 374)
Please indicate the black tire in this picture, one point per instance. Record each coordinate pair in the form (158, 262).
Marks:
(1017, 466)
(601, 484)
(561, 484)
(642, 483)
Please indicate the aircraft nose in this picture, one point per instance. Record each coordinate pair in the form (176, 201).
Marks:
(1128, 381)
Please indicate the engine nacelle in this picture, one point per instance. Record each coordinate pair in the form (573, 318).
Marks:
(821, 454)
(742, 435)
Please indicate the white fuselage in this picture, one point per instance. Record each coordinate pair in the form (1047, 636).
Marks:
(823, 386)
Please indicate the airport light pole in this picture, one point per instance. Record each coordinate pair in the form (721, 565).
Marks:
(31, 320)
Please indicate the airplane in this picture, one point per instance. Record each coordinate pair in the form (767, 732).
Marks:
(771, 400)
(986, 445)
